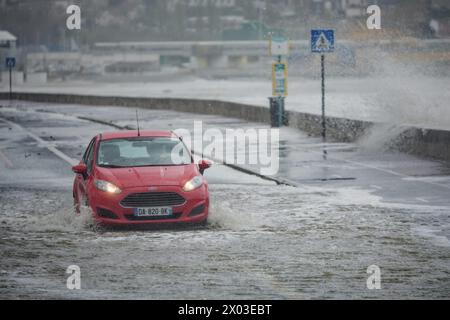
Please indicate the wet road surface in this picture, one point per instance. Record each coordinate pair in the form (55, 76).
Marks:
(263, 240)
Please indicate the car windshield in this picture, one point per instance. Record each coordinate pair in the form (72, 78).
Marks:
(142, 152)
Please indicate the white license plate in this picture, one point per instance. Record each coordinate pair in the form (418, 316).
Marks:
(153, 212)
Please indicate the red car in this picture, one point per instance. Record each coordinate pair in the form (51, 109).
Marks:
(146, 177)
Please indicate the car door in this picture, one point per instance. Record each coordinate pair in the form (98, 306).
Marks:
(84, 180)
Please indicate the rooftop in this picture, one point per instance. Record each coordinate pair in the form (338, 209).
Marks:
(6, 36)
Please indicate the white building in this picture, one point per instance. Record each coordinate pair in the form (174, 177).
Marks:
(354, 8)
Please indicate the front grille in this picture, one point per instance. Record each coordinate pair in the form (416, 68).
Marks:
(134, 218)
(152, 199)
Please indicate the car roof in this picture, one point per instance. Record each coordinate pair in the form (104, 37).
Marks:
(134, 133)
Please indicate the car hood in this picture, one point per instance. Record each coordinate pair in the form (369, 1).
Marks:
(148, 176)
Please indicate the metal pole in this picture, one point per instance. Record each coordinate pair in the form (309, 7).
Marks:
(279, 104)
(10, 83)
(280, 111)
(324, 125)
(260, 31)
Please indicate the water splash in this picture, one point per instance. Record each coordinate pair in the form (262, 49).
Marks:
(63, 220)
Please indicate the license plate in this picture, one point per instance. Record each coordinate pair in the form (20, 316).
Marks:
(153, 212)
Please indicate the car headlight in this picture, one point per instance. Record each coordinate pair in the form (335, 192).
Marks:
(107, 187)
(193, 184)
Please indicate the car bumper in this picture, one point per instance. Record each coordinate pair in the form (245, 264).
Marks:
(108, 210)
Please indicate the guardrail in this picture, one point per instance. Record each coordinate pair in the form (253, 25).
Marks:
(424, 142)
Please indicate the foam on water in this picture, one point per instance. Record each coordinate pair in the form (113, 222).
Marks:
(434, 235)
(223, 215)
(277, 238)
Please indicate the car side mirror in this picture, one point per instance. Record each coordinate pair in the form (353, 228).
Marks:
(80, 169)
(203, 165)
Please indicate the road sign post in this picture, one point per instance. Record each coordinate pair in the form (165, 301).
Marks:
(10, 83)
(279, 49)
(279, 79)
(10, 64)
(322, 41)
(322, 75)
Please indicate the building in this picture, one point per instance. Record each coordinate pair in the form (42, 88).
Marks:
(7, 40)
(354, 8)
(7, 45)
(440, 18)
(7, 49)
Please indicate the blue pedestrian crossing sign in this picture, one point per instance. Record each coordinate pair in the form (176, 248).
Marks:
(322, 40)
(10, 62)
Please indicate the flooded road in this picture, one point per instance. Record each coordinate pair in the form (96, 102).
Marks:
(263, 241)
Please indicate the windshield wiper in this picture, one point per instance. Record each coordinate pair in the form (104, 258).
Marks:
(141, 166)
(110, 166)
(148, 165)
